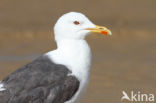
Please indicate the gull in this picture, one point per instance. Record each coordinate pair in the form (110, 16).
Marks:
(61, 75)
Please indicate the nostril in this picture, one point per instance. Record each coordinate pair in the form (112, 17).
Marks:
(101, 28)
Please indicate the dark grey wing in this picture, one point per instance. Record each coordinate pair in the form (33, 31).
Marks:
(40, 81)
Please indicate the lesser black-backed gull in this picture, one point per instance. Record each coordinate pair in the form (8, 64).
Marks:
(59, 76)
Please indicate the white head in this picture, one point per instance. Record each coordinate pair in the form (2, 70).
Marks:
(75, 25)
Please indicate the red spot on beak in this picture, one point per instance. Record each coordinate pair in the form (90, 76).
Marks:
(104, 32)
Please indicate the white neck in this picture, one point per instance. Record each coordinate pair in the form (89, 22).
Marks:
(75, 54)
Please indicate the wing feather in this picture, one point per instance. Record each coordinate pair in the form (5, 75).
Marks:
(40, 81)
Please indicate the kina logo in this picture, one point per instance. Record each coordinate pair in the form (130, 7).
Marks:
(137, 97)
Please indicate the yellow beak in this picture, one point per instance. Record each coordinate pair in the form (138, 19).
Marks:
(100, 29)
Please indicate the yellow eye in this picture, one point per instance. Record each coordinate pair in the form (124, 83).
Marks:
(76, 22)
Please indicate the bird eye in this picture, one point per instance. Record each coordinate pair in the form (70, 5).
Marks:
(76, 22)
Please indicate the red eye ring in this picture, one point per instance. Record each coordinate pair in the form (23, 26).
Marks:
(76, 22)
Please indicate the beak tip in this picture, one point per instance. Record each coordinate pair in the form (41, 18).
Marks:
(110, 33)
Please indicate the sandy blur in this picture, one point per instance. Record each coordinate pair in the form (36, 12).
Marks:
(124, 61)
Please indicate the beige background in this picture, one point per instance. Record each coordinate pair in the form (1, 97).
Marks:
(124, 61)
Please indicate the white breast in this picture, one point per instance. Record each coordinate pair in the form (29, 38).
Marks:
(76, 55)
(1, 87)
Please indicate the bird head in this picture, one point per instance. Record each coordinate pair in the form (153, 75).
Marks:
(75, 25)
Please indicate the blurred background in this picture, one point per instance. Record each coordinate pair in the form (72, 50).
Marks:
(124, 61)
